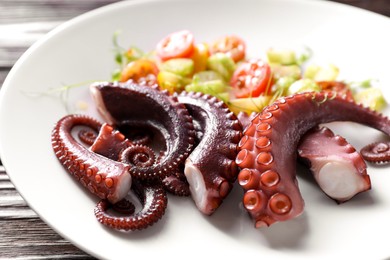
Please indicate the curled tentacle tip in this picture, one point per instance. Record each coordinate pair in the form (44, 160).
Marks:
(138, 155)
(377, 152)
(87, 137)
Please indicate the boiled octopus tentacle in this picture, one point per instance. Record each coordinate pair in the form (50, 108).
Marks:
(211, 169)
(339, 170)
(104, 177)
(268, 148)
(154, 202)
(378, 153)
(113, 145)
(128, 103)
(337, 167)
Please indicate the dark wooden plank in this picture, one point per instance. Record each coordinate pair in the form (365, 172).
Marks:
(34, 239)
(24, 22)
(20, 11)
(24, 235)
(3, 75)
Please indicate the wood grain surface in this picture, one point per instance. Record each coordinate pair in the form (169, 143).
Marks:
(23, 235)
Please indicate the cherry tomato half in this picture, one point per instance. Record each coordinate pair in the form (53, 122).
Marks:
(251, 79)
(231, 45)
(176, 45)
(140, 70)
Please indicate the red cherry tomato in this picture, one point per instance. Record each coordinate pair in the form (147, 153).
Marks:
(231, 45)
(251, 79)
(176, 45)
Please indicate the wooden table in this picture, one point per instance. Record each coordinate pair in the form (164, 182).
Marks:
(23, 234)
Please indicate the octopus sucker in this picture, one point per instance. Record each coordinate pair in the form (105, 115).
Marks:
(210, 169)
(128, 103)
(338, 168)
(93, 169)
(284, 125)
(154, 203)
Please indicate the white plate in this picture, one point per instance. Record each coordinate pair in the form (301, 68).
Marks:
(81, 50)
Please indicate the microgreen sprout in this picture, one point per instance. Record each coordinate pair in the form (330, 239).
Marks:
(304, 56)
(368, 83)
(59, 92)
(118, 50)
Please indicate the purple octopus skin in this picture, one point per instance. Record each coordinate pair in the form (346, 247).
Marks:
(268, 150)
(104, 177)
(337, 167)
(130, 104)
(211, 169)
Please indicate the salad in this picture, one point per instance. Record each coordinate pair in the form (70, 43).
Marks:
(221, 68)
